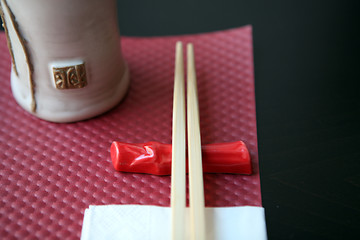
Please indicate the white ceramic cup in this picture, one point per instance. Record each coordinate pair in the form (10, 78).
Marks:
(66, 57)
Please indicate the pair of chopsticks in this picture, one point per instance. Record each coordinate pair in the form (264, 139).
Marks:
(178, 171)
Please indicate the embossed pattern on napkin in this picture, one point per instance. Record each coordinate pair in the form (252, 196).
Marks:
(51, 172)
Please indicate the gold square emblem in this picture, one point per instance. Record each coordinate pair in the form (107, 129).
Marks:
(70, 77)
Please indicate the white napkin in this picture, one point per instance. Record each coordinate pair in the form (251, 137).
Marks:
(127, 222)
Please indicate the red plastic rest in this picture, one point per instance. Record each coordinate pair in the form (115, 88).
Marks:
(155, 158)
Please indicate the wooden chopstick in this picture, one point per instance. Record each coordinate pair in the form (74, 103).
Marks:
(196, 184)
(178, 169)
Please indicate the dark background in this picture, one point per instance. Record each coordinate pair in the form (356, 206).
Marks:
(307, 71)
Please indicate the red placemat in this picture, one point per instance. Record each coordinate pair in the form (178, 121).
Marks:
(51, 172)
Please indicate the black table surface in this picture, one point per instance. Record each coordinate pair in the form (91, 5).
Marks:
(306, 57)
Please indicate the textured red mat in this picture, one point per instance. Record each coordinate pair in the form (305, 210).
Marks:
(51, 172)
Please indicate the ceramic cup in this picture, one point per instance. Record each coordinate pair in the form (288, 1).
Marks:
(66, 57)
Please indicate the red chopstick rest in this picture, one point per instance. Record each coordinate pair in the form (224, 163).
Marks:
(155, 158)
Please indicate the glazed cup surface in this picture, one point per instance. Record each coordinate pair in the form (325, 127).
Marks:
(66, 55)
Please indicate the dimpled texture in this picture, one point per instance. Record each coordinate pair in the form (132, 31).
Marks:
(51, 172)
